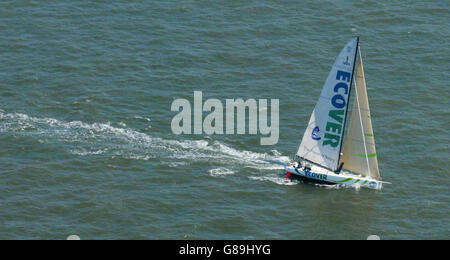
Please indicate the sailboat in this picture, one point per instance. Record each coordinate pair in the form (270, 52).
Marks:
(324, 156)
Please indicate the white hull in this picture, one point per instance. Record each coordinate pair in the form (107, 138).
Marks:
(319, 174)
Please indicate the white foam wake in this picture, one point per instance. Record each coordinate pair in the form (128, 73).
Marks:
(103, 139)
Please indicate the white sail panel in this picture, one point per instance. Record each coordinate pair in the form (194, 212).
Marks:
(359, 153)
(323, 137)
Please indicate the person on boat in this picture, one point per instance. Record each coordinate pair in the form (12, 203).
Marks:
(306, 168)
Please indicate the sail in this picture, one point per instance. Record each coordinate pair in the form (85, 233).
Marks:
(321, 143)
(359, 153)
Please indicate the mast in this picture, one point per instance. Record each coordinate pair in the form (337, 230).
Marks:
(349, 95)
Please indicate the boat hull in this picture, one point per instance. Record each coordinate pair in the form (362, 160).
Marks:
(328, 177)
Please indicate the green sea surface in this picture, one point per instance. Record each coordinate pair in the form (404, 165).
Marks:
(86, 145)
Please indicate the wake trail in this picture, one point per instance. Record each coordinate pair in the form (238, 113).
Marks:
(97, 139)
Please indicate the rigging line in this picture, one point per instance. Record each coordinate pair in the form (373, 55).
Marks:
(362, 129)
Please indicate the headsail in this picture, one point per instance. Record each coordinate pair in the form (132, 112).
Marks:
(359, 153)
(322, 140)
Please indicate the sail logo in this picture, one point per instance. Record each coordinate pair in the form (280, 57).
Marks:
(346, 62)
(315, 134)
(335, 122)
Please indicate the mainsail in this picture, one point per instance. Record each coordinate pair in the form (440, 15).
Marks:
(359, 153)
(322, 140)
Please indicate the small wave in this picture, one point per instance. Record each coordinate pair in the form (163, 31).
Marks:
(357, 187)
(139, 157)
(220, 172)
(83, 152)
(143, 118)
(175, 164)
(275, 179)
